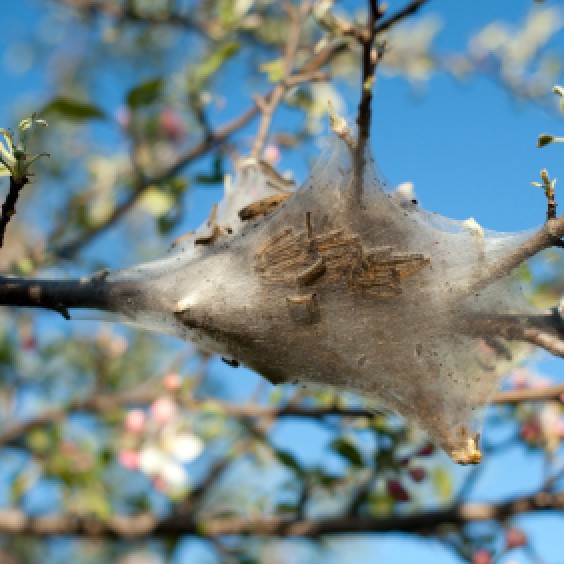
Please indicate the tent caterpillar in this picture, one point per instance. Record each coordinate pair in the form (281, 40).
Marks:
(262, 207)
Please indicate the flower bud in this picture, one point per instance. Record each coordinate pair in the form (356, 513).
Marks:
(515, 538)
(397, 491)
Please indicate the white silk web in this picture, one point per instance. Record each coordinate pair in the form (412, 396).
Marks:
(368, 297)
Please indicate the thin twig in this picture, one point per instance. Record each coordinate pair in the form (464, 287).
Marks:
(67, 250)
(554, 392)
(368, 67)
(550, 343)
(409, 10)
(371, 57)
(542, 330)
(309, 71)
(269, 105)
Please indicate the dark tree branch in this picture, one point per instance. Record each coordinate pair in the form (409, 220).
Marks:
(371, 56)
(9, 206)
(366, 39)
(409, 10)
(61, 295)
(16, 522)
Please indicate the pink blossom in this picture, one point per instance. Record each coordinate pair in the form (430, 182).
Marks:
(172, 382)
(271, 154)
(482, 557)
(540, 383)
(515, 538)
(171, 124)
(117, 346)
(27, 337)
(123, 117)
(560, 427)
(135, 421)
(163, 410)
(519, 379)
(417, 474)
(160, 484)
(531, 431)
(129, 459)
(69, 447)
(426, 450)
(29, 343)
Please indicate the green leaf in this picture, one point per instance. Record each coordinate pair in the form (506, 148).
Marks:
(347, 449)
(274, 70)
(218, 58)
(385, 458)
(30, 122)
(73, 110)
(524, 273)
(442, 483)
(210, 65)
(289, 460)
(7, 158)
(167, 221)
(145, 93)
(8, 139)
(216, 175)
(286, 508)
(544, 140)
(381, 505)
(39, 441)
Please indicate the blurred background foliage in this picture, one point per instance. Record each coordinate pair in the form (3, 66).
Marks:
(149, 104)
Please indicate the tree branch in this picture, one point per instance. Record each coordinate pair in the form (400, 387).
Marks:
(370, 58)
(549, 236)
(16, 522)
(269, 105)
(67, 250)
(554, 392)
(409, 10)
(544, 331)
(61, 295)
(9, 206)
(366, 39)
(309, 71)
(100, 403)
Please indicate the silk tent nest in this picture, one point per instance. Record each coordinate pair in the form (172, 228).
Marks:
(367, 294)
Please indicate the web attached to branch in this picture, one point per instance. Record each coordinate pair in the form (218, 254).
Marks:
(368, 297)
